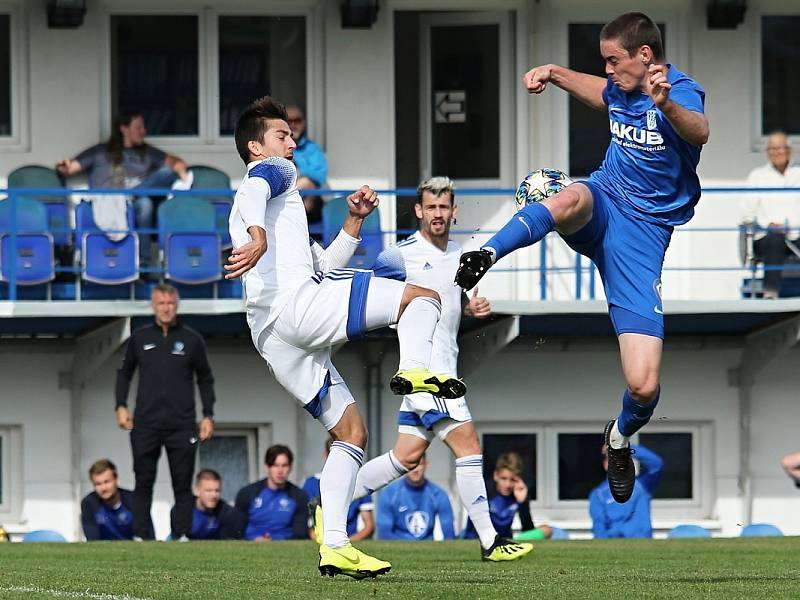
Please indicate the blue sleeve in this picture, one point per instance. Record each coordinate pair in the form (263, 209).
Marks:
(156, 157)
(311, 487)
(688, 94)
(638, 524)
(651, 467)
(87, 158)
(384, 522)
(315, 165)
(605, 92)
(90, 528)
(445, 511)
(599, 528)
(277, 172)
(390, 264)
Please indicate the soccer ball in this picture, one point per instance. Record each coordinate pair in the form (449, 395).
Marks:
(541, 184)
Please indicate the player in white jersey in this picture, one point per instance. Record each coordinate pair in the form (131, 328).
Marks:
(301, 301)
(429, 258)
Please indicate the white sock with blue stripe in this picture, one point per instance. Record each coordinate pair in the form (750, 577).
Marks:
(377, 473)
(415, 332)
(336, 486)
(472, 492)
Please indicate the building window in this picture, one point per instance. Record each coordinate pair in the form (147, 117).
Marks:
(579, 464)
(524, 444)
(155, 70)
(5, 76)
(780, 74)
(259, 56)
(232, 454)
(676, 449)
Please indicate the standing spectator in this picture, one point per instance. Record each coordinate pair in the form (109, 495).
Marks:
(309, 158)
(632, 519)
(362, 507)
(508, 497)
(106, 512)
(407, 508)
(791, 464)
(773, 211)
(274, 508)
(169, 355)
(212, 517)
(126, 161)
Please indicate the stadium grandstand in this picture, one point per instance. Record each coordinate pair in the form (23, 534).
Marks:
(395, 92)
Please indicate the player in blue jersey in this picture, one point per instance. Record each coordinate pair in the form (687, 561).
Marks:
(212, 517)
(407, 509)
(107, 513)
(622, 217)
(274, 507)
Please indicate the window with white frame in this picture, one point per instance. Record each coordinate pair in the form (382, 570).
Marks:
(524, 444)
(676, 449)
(579, 465)
(780, 74)
(233, 454)
(191, 75)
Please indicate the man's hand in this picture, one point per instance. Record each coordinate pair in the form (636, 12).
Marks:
(656, 85)
(245, 257)
(477, 307)
(206, 429)
(124, 420)
(263, 538)
(362, 202)
(471, 267)
(536, 80)
(520, 490)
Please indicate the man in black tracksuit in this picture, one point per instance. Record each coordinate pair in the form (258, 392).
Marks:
(168, 355)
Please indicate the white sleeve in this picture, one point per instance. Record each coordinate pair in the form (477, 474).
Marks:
(252, 198)
(337, 254)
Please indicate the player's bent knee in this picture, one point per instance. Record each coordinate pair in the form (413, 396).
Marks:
(409, 458)
(644, 391)
(412, 292)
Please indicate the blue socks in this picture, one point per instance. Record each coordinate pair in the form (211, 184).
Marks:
(527, 227)
(634, 416)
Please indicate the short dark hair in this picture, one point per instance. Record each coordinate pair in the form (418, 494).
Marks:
(273, 452)
(634, 30)
(253, 123)
(207, 474)
(101, 466)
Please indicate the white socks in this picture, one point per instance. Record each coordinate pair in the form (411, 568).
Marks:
(380, 471)
(415, 332)
(616, 439)
(336, 490)
(472, 492)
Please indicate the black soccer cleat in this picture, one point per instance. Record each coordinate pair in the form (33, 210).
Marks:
(621, 472)
(471, 267)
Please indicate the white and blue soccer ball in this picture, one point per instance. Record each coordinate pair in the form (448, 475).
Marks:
(541, 184)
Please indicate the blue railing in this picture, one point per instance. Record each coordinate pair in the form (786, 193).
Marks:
(580, 268)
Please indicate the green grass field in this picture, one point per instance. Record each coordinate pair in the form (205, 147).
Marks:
(718, 568)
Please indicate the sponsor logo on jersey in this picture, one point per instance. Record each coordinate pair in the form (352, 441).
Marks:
(427, 266)
(417, 523)
(148, 346)
(651, 119)
(634, 135)
(178, 349)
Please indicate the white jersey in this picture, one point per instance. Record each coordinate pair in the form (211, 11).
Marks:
(268, 198)
(415, 260)
(773, 207)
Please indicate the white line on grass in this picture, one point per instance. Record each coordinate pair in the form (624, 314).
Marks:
(64, 593)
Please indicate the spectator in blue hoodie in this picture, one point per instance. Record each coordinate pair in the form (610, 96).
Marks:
(632, 519)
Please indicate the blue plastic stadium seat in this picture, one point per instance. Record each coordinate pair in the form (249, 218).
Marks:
(761, 530)
(189, 240)
(230, 288)
(559, 534)
(37, 176)
(211, 178)
(34, 257)
(688, 531)
(43, 535)
(334, 213)
(103, 261)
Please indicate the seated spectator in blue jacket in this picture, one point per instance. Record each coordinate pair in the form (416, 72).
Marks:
(106, 513)
(309, 158)
(363, 507)
(274, 508)
(407, 508)
(632, 519)
(212, 517)
(508, 497)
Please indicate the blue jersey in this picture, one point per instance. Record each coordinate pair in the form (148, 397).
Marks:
(311, 487)
(648, 167)
(103, 522)
(502, 510)
(281, 514)
(406, 512)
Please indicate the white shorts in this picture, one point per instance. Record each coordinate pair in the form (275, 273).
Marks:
(328, 310)
(425, 415)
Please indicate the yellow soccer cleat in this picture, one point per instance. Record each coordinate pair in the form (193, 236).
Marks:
(319, 533)
(411, 381)
(505, 549)
(351, 562)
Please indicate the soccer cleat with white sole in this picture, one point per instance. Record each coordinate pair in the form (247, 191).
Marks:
(412, 381)
(504, 549)
(351, 562)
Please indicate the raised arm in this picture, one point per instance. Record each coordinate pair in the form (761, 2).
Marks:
(586, 88)
(682, 107)
(791, 464)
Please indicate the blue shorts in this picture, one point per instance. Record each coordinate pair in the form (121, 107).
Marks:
(629, 254)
